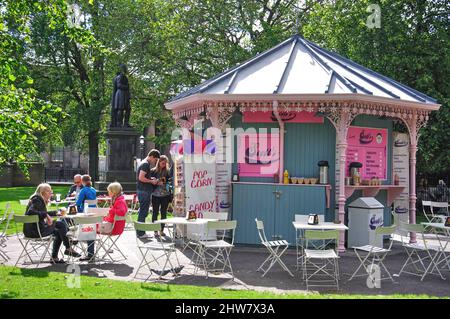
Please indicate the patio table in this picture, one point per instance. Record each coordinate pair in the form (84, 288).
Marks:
(301, 227)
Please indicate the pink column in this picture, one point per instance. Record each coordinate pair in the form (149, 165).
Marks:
(412, 187)
(281, 124)
(342, 147)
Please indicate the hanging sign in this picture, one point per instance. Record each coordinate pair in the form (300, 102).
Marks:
(285, 116)
(369, 147)
(400, 165)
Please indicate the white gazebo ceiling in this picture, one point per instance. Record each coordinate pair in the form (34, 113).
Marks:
(297, 66)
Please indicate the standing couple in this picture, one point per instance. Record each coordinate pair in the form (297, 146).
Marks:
(153, 178)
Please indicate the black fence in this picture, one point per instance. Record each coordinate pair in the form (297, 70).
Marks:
(434, 194)
(61, 174)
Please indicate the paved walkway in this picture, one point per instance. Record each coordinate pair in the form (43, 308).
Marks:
(245, 260)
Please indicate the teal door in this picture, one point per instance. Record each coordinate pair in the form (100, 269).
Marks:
(250, 202)
(276, 206)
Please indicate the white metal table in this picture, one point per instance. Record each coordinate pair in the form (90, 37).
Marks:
(300, 227)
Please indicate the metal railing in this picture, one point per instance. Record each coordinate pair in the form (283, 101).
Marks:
(61, 174)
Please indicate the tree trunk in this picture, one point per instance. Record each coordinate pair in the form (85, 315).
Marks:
(93, 155)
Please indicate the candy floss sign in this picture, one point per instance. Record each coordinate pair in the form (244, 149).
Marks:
(200, 187)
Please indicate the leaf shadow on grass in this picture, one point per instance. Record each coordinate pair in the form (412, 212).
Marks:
(29, 273)
(160, 288)
(8, 295)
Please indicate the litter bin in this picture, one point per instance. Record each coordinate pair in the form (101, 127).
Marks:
(364, 215)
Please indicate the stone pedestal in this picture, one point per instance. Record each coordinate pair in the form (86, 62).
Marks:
(120, 156)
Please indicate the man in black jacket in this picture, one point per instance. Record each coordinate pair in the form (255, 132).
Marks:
(37, 205)
(76, 187)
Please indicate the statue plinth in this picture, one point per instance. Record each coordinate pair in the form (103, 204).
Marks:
(120, 156)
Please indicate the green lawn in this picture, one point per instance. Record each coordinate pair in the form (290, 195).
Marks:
(14, 194)
(31, 283)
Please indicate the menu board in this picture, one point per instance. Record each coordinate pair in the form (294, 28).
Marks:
(367, 146)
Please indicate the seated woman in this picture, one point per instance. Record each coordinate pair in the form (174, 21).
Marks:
(119, 207)
(161, 195)
(87, 193)
(37, 205)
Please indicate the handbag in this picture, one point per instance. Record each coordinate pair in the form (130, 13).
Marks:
(86, 232)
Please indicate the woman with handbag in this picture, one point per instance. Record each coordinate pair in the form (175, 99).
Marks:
(118, 207)
(161, 195)
(37, 205)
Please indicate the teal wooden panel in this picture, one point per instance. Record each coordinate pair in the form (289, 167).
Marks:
(305, 145)
(258, 201)
(250, 202)
(302, 200)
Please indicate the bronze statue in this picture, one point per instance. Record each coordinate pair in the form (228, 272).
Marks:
(120, 110)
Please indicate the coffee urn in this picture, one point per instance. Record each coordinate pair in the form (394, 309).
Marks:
(323, 172)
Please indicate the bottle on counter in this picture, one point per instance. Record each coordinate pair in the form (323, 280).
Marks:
(286, 177)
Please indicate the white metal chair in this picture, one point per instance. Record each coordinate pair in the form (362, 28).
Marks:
(276, 249)
(88, 204)
(3, 237)
(300, 237)
(152, 248)
(210, 253)
(109, 241)
(24, 202)
(130, 200)
(30, 245)
(421, 256)
(6, 212)
(370, 255)
(323, 262)
(88, 222)
(439, 210)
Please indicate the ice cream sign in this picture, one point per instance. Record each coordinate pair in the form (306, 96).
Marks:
(368, 146)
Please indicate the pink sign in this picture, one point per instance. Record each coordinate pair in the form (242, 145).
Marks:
(286, 116)
(368, 146)
(258, 155)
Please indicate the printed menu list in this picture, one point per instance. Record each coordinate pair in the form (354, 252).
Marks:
(367, 146)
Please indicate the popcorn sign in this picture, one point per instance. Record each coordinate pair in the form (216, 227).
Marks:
(200, 186)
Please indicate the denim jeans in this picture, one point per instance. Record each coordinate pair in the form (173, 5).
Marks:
(144, 205)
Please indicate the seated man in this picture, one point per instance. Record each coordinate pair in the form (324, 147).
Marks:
(76, 187)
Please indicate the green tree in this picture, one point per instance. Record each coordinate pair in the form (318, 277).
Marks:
(412, 46)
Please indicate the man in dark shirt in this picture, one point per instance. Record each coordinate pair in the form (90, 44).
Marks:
(76, 187)
(145, 186)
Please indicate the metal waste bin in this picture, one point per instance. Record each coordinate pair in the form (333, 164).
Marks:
(365, 214)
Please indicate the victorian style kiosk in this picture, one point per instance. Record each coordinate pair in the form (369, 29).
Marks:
(327, 108)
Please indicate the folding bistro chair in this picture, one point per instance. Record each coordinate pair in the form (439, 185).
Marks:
(6, 213)
(421, 256)
(151, 248)
(276, 250)
(24, 202)
(130, 200)
(370, 255)
(33, 243)
(4, 238)
(426, 209)
(300, 237)
(87, 222)
(210, 253)
(89, 203)
(323, 262)
(109, 242)
(439, 211)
